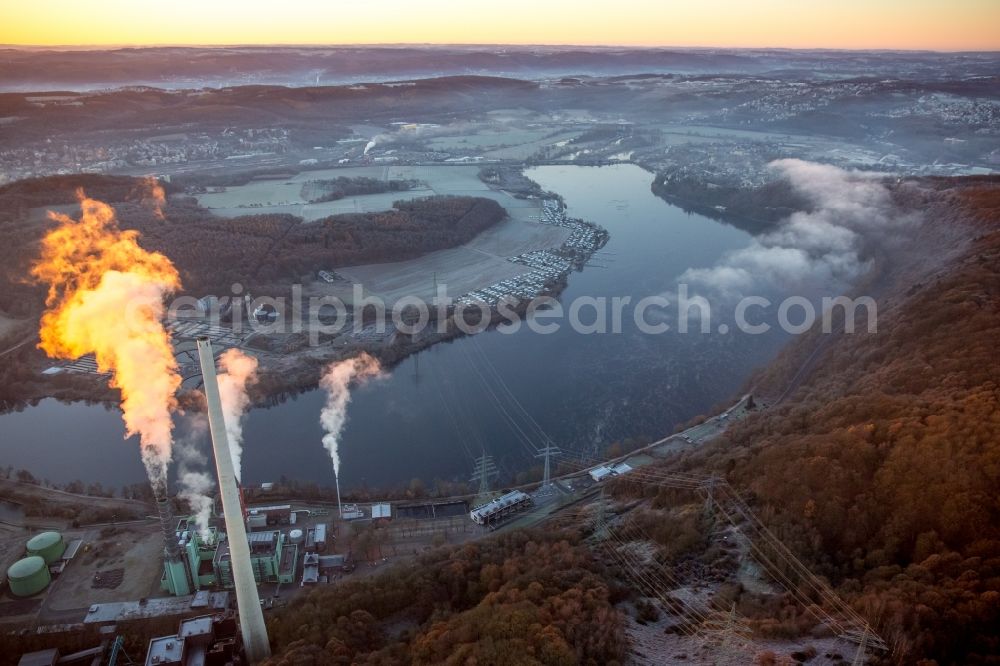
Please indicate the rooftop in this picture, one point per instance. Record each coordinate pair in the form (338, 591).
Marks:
(157, 607)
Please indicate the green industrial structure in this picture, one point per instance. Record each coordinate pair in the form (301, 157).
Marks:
(205, 561)
(47, 545)
(28, 577)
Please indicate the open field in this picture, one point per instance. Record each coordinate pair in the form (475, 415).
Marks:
(481, 262)
(525, 150)
(136, 550)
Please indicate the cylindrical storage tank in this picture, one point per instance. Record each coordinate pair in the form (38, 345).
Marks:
(47, 545)
(28, 577)
(295, 536)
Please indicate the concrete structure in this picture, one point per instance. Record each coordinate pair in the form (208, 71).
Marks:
(28, 577)
(381, 512)
(254, 632)
(47, 545)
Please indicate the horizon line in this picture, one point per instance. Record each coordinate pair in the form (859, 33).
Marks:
(637, 47)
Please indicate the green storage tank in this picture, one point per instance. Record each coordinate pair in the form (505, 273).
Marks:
(47, 545)
(28, 577)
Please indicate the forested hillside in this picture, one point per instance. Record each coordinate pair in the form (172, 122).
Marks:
(520, 598)
(882, 470)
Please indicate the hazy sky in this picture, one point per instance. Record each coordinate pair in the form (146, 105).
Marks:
(895, 24)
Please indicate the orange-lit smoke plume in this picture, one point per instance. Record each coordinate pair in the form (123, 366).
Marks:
(151, 194)
(105, 298)
(239, 371)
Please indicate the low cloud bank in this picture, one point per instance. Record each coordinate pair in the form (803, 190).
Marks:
(808, 248)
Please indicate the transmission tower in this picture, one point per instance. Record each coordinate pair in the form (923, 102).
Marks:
(547, 452)
(859, 656)
(727, 634)
(485, 470)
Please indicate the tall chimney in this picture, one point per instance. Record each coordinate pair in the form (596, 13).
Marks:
(255, 641)
(167, 521)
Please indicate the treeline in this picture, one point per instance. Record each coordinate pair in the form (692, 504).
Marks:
(752, 209)
(409, 230)
(882, 470)
(527, 597)
(318, 191)
(20, 196)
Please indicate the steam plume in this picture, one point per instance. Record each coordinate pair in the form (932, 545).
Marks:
(194, 481)
(336, 381)
(105, 297)
(823, 244)
(239, 371)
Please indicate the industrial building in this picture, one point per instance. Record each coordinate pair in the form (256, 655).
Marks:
(604, 471)
(280, 514)
(206, 560)
(501, 507)
(382, 512)
(207, 640)
(158, 607)
(316, 538)
(272, 559)
(195, 569)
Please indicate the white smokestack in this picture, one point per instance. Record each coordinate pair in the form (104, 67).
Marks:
(336, 381)
(239, 372)
(195, 485)
(254, 632)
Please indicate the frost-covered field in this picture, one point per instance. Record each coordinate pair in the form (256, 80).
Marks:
(285, 195)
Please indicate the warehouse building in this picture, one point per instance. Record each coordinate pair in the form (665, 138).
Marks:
(500, 508)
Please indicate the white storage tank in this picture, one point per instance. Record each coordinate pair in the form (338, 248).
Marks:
(295, 536)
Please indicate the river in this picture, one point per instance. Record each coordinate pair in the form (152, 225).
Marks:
(444, 406)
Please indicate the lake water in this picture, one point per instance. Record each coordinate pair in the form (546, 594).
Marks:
(441, 408)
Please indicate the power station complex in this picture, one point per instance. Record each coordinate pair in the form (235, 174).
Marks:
(206, 562)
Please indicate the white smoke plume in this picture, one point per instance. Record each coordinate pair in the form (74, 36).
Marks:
(239, 371)
(195, 484)
(369, 146)
(336, 381)
(811, 247)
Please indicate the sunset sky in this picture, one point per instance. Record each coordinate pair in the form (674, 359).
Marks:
(848, 24)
